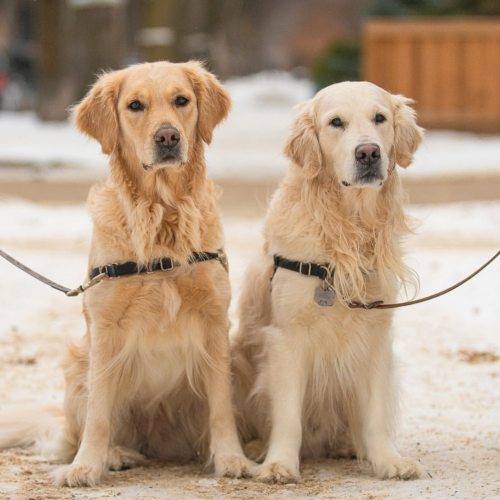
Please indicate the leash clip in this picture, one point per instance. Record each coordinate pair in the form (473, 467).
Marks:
(88, 284)
(222, 257)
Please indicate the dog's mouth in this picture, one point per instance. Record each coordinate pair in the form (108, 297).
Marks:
(366, 177)
(370, 178)
(165, 159)
(367, 180)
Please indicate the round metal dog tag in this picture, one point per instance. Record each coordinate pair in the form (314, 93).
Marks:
(324, 298)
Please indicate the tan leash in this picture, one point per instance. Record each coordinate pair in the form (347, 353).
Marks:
(324, 295)
(379, 304)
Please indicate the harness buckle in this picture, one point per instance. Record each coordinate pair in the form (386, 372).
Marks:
(327, 282)
(168, 268)
(309, 268)
(108, 270)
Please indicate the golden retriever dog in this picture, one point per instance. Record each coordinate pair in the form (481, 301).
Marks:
(151, 377)
(315, 377)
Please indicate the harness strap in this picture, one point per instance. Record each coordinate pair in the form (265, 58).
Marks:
(164, 264)
(321, 271)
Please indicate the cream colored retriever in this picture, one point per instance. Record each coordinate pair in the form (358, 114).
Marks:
(151, 377)
(314, 377)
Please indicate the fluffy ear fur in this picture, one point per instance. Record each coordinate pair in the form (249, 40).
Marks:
(214, 102)
(96, 113)
(407, 134)
(302, 146)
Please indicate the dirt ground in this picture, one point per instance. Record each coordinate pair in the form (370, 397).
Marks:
(447, 418)
(462, 456)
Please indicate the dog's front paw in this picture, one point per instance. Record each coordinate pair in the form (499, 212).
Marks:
(74, 475)
(233, 466)
(398, 468)
(120, 458)
(276, 472)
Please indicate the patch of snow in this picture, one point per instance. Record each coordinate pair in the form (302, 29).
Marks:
(248, 145)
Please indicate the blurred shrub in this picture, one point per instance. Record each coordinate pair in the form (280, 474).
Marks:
(434, 7)
(338, 62)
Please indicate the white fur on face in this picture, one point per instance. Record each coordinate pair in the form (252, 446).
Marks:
(356, 104)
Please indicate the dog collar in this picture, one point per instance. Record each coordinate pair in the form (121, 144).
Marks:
(321, 271)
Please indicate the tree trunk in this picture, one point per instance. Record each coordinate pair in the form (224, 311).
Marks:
(75, 45)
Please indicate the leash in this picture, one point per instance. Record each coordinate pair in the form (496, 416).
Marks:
(323, 272)
(110, 271)
(35, 275)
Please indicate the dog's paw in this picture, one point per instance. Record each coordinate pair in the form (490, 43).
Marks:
(74, 475)
(233, 466)
(121, 458)
(398, 468)
(276, 472)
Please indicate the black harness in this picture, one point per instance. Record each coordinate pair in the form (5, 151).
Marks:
(116, 270)
(164, 264)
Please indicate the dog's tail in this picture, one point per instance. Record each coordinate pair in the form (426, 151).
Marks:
(37, 426)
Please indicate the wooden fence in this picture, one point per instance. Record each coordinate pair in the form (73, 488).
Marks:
(451, 67)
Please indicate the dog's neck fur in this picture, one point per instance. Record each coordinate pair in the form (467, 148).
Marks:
(360, 229)
(163, 208)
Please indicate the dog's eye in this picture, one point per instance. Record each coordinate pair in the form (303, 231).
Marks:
(380, 118)
(181, 101)
(136, 106)
(337, 123)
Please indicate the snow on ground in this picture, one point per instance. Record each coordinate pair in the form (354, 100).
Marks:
(247, 145)
(448, 351)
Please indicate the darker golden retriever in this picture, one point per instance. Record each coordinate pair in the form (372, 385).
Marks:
(151, 376)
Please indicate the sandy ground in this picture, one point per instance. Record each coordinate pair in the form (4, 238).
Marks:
(448, 352)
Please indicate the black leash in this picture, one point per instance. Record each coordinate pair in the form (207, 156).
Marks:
(117, 270)
(323, 272)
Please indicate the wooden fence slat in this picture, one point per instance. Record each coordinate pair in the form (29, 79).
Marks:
(403, 55)
(451, 67)
(450, 98)
(491, 62)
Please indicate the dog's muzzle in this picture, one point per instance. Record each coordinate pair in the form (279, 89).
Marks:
(168, 145)
(368, 164)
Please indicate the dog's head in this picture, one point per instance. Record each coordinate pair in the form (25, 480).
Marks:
(155, 112)
(355, 131)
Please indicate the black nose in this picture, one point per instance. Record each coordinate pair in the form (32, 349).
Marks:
(167, 136)
(367, 154)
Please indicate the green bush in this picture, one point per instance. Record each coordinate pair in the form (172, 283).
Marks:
(434, 7)
(337, 63)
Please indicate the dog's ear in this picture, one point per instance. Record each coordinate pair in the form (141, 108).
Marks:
(214, 102)
(407, 134)
(96, 114)
(302, 145)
